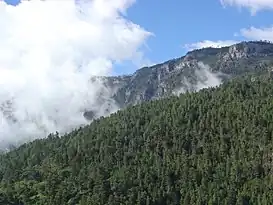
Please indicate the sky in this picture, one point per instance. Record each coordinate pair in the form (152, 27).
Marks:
(179, 26)
(177, 23)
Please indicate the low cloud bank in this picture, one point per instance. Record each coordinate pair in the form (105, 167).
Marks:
(48, 52)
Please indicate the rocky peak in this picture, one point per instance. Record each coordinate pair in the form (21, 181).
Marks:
(197, 69)
(253, 48)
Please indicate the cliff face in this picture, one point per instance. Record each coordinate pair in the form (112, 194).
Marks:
(196, 70)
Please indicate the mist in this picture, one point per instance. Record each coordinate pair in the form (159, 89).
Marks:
(205, 78)
(48, 52)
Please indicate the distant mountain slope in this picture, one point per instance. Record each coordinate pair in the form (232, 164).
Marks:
(211, 147)
(197, 69)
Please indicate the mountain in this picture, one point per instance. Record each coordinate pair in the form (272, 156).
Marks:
(196, 70)
(24, 119)
(208, 147)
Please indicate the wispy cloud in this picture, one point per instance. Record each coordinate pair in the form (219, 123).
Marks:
(253, 5)
(253, 33)
(204, 79)
(48, 51)
(208, 43)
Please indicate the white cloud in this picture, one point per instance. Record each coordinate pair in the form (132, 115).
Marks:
(253, 33)
(253, 5)
(208, 43)
(205, 79)
(48, 51)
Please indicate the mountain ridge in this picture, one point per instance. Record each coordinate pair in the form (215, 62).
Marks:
(190, 72)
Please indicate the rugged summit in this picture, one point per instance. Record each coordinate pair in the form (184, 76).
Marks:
(197, 69)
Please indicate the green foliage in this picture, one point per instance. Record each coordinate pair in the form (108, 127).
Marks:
(211, 147)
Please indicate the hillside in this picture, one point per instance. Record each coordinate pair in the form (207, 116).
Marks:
(209, 147)
(196, 70)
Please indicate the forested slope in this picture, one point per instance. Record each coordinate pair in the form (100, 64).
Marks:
(210, 147)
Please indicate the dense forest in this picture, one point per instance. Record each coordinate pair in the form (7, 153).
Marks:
(210, 147)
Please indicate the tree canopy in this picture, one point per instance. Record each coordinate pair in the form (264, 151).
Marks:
(209, 147)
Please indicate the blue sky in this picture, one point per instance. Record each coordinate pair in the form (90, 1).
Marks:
(176, 23)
